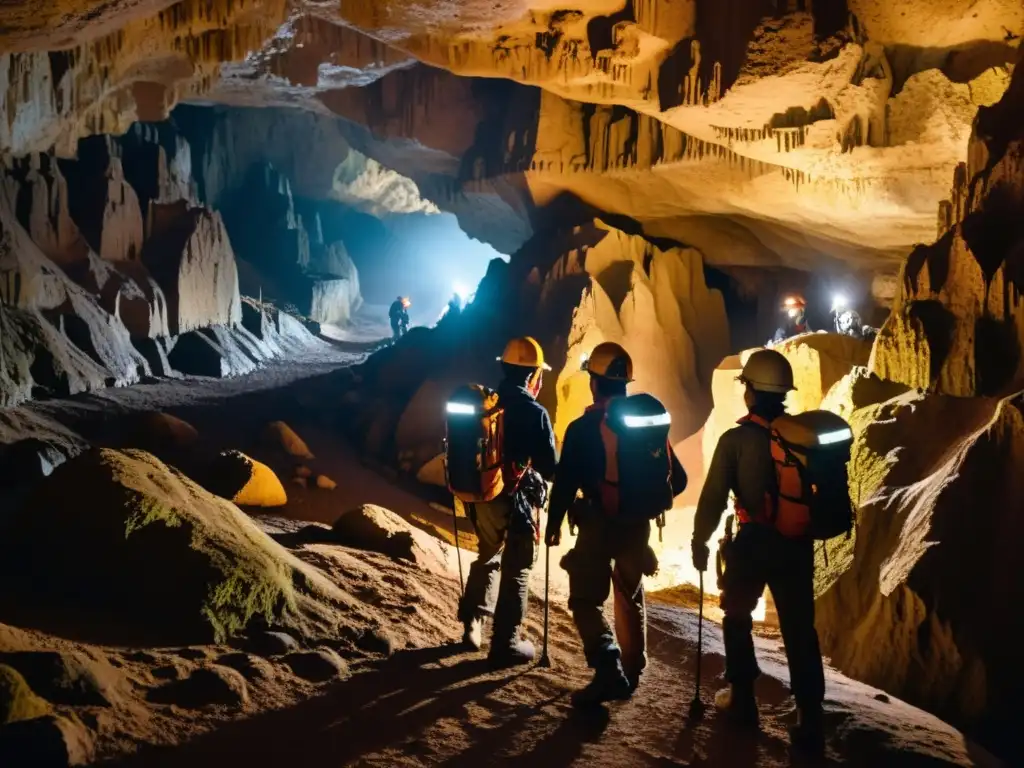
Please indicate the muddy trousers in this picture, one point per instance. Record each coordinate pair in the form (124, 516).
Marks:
(498, 582)
(610, 557)
(761, 556)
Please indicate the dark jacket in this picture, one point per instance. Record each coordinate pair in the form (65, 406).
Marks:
(529, 438)
(398, 314)
(582, 467)
(742, 465)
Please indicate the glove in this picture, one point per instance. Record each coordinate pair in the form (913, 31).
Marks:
(553, 536)
(701, 554)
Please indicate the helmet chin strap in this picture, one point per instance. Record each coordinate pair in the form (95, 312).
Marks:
(533, 384)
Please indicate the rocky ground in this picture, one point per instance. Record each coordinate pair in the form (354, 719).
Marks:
(311, 644)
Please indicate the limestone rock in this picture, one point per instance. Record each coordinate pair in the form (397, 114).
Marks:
(285, 438)
(55, 335)
(17, 700)
(270, 643)
(63, 678)
(155, 430)
(52, 741)
(157, 554)
(217, 351)
(376, 529)
(323, 482)
(317, 666)
(190, 256)
(433, 472)
(243, 480)
(210, 685)
(102, 202)
(896, 608)
(250, 667)
(819, 360)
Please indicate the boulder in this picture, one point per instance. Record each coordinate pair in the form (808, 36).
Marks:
(51, 740)
(248, 666)
(210, 685)
(318, 665)
(280, 435)
(270, 643)
(156, 556)
(376, 529)
(155, 430)
(324, 483)
(63, 677)
(17, 700)
(245, 481)
(819, 360)
(433, 473)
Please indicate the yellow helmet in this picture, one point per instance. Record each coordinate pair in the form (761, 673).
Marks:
(610, 361)
(524, 351)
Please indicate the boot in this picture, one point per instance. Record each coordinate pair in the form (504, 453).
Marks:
(738, 704)
(473, 634)
(514, 654)
(808, 735)
(609, 684)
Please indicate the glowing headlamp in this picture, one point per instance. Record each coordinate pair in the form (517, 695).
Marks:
(460, 409)
(838, 302)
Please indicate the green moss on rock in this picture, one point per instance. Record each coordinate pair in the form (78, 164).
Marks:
(130, 544)
(17, 701)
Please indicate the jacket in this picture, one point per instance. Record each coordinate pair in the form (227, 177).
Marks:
(582, 467)
(742, 465)
(529, 438)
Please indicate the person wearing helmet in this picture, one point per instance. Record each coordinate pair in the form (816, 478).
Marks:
(507, 529)
(794, 322)
(760, 555)
(609, 552)
(398, 314)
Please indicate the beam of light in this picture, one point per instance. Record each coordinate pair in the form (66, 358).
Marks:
(460, 290)
(461, 409)
(836, 436)
(794, 312)
(838, 302)
(657, 420)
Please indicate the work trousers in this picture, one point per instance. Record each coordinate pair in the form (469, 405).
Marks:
(498, 582)
(759, 556)
(610, 556)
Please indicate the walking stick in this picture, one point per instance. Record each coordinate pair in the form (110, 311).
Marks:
(458, 552)
(545, 660)
(697, 706)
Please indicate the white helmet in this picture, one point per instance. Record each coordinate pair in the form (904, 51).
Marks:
(768, 371)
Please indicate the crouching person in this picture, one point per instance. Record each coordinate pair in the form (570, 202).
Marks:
(618, 455)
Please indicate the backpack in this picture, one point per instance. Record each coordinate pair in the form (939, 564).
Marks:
(811, 451)
(637, 482)
(474, 427)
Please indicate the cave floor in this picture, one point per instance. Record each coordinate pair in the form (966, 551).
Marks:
(434, 705)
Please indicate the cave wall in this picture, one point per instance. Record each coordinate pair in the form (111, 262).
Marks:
(916, 602)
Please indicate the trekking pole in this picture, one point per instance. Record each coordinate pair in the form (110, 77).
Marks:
(697, 706)
(458, 552)
(545, 660)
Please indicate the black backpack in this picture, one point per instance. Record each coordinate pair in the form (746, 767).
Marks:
(637, 482)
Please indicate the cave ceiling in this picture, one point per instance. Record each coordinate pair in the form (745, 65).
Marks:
(773, 132)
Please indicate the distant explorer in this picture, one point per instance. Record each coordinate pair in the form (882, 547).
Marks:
(788, 478)
(794, 323)
(398, 314)
(500, 453)
(618, 454)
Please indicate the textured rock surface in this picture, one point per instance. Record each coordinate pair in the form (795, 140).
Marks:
(157, 555)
